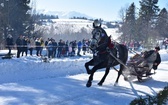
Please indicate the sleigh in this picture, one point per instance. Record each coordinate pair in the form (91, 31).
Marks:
(138, 67)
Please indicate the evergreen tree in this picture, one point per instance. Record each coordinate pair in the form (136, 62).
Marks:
(1, 25)
(18, 15)
(128, 27)
(147, 17)
(162, 23)
(14, 18)
(3, 19)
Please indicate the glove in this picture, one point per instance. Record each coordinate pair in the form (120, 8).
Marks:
(154, 67)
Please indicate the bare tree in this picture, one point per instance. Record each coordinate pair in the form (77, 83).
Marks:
(122, 12)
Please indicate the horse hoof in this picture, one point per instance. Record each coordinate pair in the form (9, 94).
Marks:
(125, 78)
(88, 84)
(100, 84)
(116, 84)
(139, 79)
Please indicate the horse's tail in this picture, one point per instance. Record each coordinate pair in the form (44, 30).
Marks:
(124, 52)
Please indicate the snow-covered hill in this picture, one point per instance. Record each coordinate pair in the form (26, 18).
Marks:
(64, 14)
(68, 29)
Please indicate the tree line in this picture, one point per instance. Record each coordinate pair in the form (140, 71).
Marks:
(148, 25)
(14, 18)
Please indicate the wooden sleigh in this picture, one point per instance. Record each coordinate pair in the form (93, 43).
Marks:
(138, 67)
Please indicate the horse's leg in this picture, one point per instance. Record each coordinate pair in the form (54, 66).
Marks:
(119, 73)
(87, 64)
(94, 69)
(104, 77)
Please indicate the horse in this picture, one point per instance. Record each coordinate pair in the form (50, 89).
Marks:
(105, 55)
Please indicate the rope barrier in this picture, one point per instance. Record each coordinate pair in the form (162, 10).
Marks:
(37, 46)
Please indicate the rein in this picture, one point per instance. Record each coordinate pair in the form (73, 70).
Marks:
(102, 52)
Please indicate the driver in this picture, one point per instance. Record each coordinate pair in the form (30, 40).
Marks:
(157, 60)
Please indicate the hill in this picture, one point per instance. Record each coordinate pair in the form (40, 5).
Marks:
(64, 15)
(71, 29)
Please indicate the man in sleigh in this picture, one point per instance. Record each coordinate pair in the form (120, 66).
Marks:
(142, 64)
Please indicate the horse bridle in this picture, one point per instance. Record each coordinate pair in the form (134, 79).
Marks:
(96, 37)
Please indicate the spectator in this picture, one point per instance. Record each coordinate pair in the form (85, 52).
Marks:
(50, 49)
(166, 43)
(9, 43)
(25, 46)
(46, 43)
(74, 45)
(60, 47)
(54, 47)
(79, 48)
(70, 49)
(84, 47)
(19, 44)
(131, 45)
(67, 49)
(31, 45)
(38, 44)
(42, 44)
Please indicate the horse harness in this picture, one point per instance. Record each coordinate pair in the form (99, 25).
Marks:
(102, 44)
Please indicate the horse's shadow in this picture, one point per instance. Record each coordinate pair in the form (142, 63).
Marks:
(152, 83)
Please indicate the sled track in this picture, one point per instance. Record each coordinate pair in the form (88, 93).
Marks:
(34, 79)
(84, 93)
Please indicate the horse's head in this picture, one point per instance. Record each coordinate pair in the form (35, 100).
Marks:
(96, 38)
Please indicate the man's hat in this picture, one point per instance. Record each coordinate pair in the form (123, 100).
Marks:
(157, 48)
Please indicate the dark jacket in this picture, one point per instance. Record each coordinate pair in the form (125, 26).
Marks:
(158, 61)
(19, 41)
(158, 58)
(9, 41)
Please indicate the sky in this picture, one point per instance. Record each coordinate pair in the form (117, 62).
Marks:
(29, 81)
(104, 9)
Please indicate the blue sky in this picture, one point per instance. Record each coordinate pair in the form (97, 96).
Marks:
(105, 9)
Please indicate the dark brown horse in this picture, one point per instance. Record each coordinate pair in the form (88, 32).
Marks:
(102, 58)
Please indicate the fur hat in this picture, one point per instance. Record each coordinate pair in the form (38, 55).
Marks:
(157, 48)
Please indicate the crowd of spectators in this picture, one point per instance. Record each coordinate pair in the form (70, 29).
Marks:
(62, 48)
(134, 45)
(53, 49)
(165, 43)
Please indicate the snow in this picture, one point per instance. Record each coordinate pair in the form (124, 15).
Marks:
(29, 81)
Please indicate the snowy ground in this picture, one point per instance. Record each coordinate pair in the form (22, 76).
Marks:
(29, 81)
